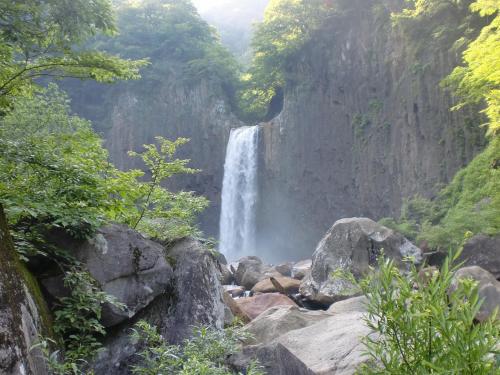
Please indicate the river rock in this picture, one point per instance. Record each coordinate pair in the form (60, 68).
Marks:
(251, 270)
(300, 269)
(351, 245)
(284, 268)
(235, 309)
(279, 320)
(489, 289)
(254, 306)
(482, 251)
(226, 276)
(287, 285)
(234, 290)
(128, 266)
(331, 346)
(354, 304)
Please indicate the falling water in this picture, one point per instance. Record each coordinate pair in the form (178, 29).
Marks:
(239, 194)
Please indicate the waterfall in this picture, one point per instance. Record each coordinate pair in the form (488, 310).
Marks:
(239, 194)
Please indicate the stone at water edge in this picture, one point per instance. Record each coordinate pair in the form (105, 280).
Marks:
(235, 309)
(489, 289)
(289, 285)
(351, 245)
(226, 276)
(300, 269)
(254, 306)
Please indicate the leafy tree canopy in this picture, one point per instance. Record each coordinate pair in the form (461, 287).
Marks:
(38, 39)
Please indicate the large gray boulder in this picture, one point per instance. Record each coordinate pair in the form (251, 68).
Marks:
(128, 266)
(289, 340)
(195, 298)
(483, 251)
(278, 320)
(489, 289)
(351, 245)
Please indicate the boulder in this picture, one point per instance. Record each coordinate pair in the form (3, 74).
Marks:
(195, 298)
(482, 251)
(236, 310)
(128, 266)
(279, 320)
(251, 270)
(354, 304)
(282, 284)
(489, 289)
(300, 269)
(331, 346)
(285, 269)
(234, 290)
(254, 306)
(226, 276)
(351, 245)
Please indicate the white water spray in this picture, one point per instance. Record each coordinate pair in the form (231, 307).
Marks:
(239, 194)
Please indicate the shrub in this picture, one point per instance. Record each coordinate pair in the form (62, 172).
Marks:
(204, 354)
(423, 328)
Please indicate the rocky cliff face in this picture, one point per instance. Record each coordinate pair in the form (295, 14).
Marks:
(365, 124)
(172, 109)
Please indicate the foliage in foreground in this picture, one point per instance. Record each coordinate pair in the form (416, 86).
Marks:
(55, 173)
(77, 322)
(470, 203)
(204, 354)
(423, 328)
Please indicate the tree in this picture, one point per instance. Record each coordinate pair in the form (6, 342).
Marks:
(44, 39)
(287, 26)
(479, 79)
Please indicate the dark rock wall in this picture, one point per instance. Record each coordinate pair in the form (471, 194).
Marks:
(172, 108)
(365, 124)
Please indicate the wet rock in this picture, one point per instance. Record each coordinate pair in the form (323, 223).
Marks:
(254, 306)
(489, 289)
(285, 285)
(351, 245)
(300, 269)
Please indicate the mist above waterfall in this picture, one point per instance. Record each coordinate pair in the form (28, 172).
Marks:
(239, 194)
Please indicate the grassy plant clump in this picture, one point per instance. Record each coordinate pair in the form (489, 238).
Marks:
(422, 327)
(205, 353)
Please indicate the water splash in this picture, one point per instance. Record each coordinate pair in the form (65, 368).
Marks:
(239, 194)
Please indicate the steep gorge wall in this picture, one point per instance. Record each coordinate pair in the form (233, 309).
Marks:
(171, 106)
(365, 124)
